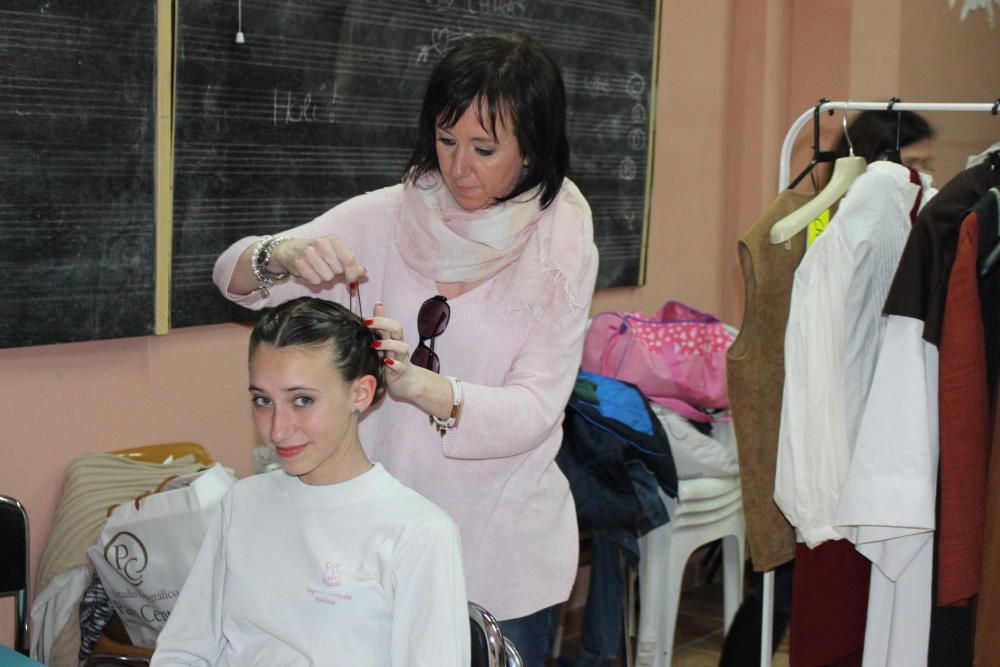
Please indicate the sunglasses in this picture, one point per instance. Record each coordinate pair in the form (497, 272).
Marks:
(432, 320)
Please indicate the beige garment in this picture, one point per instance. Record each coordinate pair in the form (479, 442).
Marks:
(756, 373)
(95, 482)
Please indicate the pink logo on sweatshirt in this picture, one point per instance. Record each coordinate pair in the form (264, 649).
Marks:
(331, 579)
(331, 574)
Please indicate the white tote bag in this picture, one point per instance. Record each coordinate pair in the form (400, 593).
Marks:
(147, 548)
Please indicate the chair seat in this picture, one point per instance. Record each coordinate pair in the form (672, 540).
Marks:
(699, 488)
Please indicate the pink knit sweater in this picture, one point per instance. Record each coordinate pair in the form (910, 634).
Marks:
(495, 472)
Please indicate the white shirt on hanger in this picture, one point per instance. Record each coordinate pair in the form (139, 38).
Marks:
(832, 341)
(887, 504)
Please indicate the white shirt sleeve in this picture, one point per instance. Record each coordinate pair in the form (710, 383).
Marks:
(813, 450)
(193, 633)
(887, 505)
(430, 620)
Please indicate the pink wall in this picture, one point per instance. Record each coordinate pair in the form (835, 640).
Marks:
(58, 401)
(777, 69)
(944, 60)
(688, 197)
(934, 58)
(733, 75)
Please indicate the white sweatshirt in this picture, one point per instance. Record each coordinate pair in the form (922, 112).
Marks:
(366, 572)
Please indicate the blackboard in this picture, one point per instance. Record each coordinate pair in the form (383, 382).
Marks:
(320, 104)
(77, 252)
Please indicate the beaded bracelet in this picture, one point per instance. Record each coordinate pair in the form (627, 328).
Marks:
(456, 407)
(259, 258)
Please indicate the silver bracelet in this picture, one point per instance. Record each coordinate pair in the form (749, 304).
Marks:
(259, 258)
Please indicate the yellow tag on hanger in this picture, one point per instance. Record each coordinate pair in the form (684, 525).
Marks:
(817, 226)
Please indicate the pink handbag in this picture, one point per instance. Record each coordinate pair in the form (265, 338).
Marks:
(677, 359)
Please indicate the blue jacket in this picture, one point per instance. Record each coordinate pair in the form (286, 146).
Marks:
(609, 431)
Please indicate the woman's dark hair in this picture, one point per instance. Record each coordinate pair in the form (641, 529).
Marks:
(517, 82)
(316, 323)
(873, 133)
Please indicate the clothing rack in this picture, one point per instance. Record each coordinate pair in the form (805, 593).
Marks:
(767, 617)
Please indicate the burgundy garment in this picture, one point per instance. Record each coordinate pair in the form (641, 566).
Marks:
(963, 409)
(829, 605)
(987, 645)
(852, 660)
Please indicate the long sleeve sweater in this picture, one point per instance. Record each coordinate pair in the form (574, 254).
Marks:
(364, 572)
(495, 473)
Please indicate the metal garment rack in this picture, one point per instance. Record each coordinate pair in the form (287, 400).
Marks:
(767, 618)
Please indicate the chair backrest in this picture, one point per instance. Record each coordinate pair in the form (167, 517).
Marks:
(14, 565)
(114, 660)
(489, 648)
(158, 453)
(113, 648)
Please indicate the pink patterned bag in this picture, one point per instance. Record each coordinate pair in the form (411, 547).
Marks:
(677, 359)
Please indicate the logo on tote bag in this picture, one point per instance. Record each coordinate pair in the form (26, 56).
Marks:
(126, 553)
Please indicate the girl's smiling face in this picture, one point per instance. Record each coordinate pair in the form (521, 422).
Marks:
(306, 411)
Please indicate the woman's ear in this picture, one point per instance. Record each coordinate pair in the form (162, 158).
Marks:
(363, 390)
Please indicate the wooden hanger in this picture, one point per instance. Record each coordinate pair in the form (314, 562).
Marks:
(845, 170)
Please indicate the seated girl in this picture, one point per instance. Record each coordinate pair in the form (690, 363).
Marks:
(330, 561)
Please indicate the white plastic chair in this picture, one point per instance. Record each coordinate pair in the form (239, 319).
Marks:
(707, 509)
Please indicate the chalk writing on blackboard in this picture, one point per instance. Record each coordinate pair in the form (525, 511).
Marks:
(298, 107)
(322, 104)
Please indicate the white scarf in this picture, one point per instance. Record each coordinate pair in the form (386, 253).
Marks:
(446, 243)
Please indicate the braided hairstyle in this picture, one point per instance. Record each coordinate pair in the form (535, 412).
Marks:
(315, 323)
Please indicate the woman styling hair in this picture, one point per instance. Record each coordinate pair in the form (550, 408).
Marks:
(330, 560)
(485, 263)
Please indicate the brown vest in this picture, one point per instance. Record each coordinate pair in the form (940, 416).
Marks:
(756, 375)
